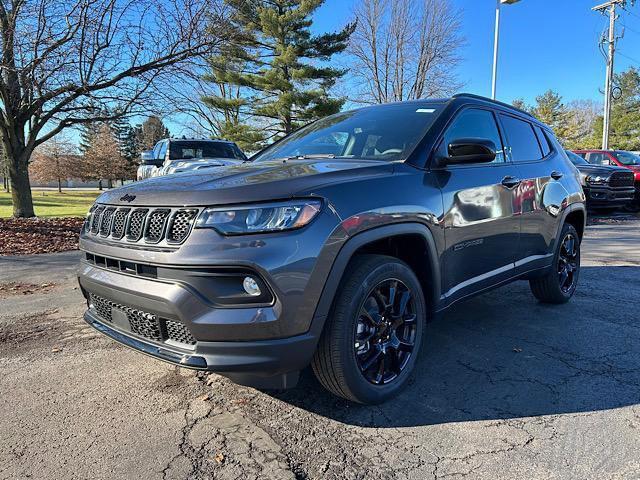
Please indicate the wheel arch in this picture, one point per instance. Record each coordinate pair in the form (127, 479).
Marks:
(388, 240)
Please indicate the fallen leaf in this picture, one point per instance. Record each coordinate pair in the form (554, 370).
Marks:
(56, 350)
(203, 397)
(219, 457)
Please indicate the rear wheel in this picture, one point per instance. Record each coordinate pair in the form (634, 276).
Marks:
(372, 338)
(559, 285)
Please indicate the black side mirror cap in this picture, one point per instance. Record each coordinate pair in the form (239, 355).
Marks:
(470, 150)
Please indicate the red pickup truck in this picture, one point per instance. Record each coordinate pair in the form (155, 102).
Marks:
(619, 158)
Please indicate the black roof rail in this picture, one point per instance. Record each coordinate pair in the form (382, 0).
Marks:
(503, 104)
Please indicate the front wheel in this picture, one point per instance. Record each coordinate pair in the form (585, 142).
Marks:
(372, 338)
(559, 285)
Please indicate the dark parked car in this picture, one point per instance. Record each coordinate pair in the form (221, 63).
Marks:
(604, 186)
(615, 158)
(336, 259)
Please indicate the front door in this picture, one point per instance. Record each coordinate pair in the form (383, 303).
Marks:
(481, 217)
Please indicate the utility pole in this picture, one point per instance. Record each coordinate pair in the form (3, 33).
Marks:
(609, 8)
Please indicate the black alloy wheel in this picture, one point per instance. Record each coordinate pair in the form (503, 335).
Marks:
(568, 262)
(385, 332)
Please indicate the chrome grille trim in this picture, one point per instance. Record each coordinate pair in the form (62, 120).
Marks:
(136, 223)
(156, 225)
(95, 219)
(160, 226)
(180, 225)
(106, 221)
(120, 223)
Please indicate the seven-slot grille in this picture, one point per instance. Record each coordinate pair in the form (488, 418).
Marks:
(621, 179)
(147, 225)
(143, 323)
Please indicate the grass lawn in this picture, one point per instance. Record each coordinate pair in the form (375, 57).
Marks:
(50, 203)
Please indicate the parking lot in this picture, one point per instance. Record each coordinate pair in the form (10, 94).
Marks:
(507, 388)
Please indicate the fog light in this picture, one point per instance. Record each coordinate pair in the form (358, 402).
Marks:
(251, 286)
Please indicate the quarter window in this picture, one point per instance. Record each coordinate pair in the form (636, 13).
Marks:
(475, 123)
(544, 141)
(522, 139)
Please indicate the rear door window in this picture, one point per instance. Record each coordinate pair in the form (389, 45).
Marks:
(476, 123)
(521, 139)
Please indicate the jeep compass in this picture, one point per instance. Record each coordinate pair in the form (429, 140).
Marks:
(335, 245)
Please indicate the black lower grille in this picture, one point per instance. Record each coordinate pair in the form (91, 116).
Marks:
(143, 323)
(177, 332)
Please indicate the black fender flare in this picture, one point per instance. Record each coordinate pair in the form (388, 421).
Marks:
(359, 240)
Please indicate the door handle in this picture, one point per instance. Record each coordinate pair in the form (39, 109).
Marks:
(510, 181)
(556, 175)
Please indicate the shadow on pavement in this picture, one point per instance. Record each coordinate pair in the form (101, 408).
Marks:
(503, 355)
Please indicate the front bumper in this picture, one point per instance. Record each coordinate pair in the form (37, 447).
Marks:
(608, 196)
(267, 363)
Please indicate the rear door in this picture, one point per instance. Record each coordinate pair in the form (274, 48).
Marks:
(539, 195)
(481, 221)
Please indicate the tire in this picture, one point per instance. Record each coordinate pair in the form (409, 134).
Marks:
(559, 285)
(357, 334)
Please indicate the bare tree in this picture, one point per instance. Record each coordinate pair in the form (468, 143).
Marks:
(405, 49)
(103, 159)
(74, 62)
(56, 160)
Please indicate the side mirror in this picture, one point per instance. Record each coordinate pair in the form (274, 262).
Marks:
(147, 158)
(470, 150)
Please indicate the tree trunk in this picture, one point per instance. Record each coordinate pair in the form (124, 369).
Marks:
(20, 186)
(100, 185)
(59, 185)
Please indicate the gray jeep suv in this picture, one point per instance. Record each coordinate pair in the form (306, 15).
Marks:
(334, 246)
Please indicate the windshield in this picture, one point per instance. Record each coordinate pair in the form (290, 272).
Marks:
(385, 132)
(576, 159)
(180, 150)
(627, 158)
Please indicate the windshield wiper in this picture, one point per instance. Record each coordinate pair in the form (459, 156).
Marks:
(313, 156)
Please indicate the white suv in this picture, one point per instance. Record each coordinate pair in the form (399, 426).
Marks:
(182, 155)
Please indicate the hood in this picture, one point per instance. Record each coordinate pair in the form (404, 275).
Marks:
(243, 183)
(603, 170)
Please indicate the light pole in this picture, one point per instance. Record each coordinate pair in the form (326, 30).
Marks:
(495, 44)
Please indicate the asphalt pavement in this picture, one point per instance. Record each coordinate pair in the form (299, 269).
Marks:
(506, 388)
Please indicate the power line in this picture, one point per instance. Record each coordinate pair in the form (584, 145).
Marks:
(629, 58)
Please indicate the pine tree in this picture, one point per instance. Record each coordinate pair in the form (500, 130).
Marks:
(275, 63)
(88, 132)
(151, 132)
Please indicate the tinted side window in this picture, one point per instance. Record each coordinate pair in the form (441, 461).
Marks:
(475, 123)
(521, 139)
(544, 141)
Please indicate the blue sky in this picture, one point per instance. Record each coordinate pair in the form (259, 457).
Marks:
(544, 44)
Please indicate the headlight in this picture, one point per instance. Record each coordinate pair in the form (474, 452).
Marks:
(596, 179)
(272, 217)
